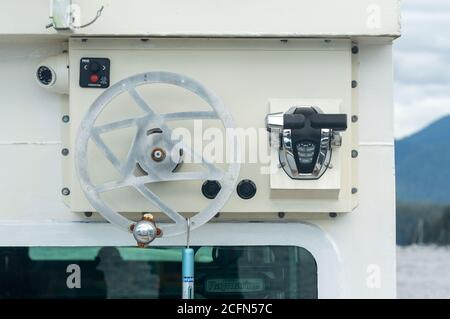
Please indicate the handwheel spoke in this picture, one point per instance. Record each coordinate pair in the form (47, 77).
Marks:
(155, 200)
(179, 116)
(127, 167)
(121, 124)
(148, 179)
(106, 151)
(212, 169)
(112, 185)
(131, 160)
(182, 176)
(141, 102)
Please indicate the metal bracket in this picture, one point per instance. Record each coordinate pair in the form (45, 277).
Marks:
(64, 14)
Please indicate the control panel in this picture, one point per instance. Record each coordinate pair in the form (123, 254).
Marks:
(296, 137)
(94, 72)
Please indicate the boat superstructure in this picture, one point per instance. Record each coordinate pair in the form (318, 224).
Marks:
(264, 124)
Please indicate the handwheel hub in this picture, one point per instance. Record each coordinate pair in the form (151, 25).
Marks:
(158, 154)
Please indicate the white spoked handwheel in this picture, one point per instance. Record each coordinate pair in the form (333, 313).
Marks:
(159, 168)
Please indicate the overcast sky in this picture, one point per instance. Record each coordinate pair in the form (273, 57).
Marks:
(422, 65)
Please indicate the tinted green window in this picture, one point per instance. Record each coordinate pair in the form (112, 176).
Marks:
(124, 272)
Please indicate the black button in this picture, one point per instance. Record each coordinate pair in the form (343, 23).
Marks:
(94, 67)
(210, 189)
(246, 189)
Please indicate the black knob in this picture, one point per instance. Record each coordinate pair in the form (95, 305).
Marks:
(94, 67)
(210, 189)
(337, 122)
(246, 189)
(294, 121)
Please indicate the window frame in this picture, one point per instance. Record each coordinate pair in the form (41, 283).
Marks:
(300, 234)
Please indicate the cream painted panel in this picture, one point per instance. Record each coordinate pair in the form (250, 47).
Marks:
(249, 18)
(245, 75)
(30, 184)
(378, 104)
(367, 236)
(29, 114)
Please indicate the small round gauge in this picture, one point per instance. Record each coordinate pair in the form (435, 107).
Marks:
(45, 75)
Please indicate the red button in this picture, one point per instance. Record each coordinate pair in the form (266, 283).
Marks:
(93, 78)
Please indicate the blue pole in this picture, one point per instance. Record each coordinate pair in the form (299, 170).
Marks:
(188, 273)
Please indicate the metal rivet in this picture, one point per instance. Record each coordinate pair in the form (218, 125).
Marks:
(354, 153)
(65, 151)
(355, 49)
(65, 191)
(354, 84)
(66, 118)
(354, 118)
(281, 215)
(88, 214)
(333, 215)
(354, 190)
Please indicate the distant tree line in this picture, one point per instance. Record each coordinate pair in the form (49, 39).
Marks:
(423, 224)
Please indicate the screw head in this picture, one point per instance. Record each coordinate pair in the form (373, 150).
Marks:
(354, 190)
(354, 84)
(65, 191)
(333, 215)
(88, 214)
(355, 49)
(281, 215)
(354, 153)
(65, 151)
(66, 118)
(354, 118)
